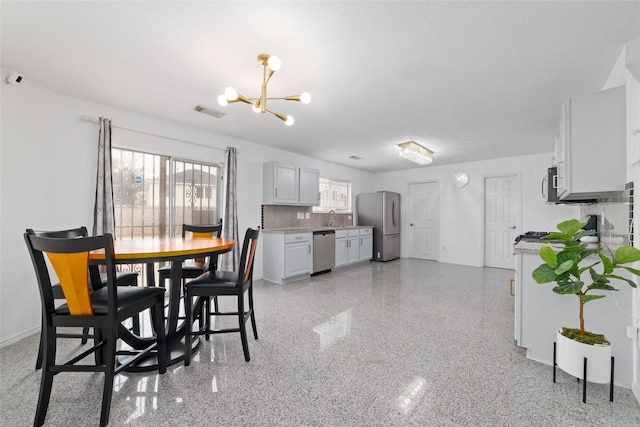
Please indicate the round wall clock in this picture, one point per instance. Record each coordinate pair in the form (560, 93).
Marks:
(459, 179)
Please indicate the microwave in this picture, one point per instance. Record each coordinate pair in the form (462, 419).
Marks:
(550, 190)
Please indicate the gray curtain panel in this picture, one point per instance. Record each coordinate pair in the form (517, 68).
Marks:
(229, 261)
(103, 209)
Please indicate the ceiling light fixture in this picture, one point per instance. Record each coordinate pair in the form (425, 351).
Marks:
(270, 65)
(415, 152)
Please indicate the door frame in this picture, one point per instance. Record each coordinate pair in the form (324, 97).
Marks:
(483, 238)
(404, 243)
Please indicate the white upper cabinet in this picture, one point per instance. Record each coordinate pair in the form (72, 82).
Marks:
(591, 145)
(289, 185)
(309, 187)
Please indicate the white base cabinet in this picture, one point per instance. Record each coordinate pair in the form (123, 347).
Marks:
(353, 246)
(287, 257)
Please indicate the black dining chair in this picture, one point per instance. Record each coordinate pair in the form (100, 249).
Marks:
(123, 278)
(213, 284)
(194, 268)
(102, 309)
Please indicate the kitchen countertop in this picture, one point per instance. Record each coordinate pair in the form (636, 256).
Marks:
(312, 229)
(534, 247)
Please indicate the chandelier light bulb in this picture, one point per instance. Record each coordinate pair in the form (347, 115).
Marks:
(274, 63)
(231, 94)
(256, 108)
(222, 100)
(305, 97)
(289, 121)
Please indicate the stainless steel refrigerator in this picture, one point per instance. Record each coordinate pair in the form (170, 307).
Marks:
(382, 211)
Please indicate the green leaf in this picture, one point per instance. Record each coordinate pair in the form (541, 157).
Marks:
(564, 267)
(548, 255)
(602, 286)
(569, 288)
(544, 274)
(632, 270)
(570, 227)
(606, 262)
(587, 298)
(624, 279)
(625, 254)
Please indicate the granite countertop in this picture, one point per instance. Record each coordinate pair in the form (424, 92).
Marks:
(312, 229)
(534, 247)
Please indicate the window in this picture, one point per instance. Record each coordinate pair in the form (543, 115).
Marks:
(334, 195)
(154, 195)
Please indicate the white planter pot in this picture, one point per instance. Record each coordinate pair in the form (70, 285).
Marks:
(570, 356)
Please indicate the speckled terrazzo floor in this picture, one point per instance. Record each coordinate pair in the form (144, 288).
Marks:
(404, 343)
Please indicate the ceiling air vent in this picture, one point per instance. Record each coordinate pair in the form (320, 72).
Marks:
(354, 157)
(209, 111)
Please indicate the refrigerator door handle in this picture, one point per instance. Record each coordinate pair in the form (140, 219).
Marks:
(393, 213)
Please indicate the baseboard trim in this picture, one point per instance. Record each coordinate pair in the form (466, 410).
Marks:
(20, 337)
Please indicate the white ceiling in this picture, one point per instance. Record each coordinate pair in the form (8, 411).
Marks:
(469, 80)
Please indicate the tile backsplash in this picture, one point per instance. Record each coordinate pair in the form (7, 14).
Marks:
(277, 216)
(615, 217)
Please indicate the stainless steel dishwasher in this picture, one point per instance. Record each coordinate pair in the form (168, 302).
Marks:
(324, 250)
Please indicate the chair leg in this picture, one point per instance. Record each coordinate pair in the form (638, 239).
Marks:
(49, 355)
(41, 345)
(136, 324)
(100, 355)
(243, 329)
(188, 324)
(205, 315)
(158, 317)
(253, 317)
(85, 335)
(110, 362)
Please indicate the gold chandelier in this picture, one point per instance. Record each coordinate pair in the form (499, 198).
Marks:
(270, 64)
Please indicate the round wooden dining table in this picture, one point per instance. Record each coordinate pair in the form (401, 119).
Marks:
(175, 250)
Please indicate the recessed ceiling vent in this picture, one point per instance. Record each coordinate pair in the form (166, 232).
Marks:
(209, 111)
(354, 157)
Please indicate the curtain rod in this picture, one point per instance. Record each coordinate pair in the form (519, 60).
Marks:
(96, 120)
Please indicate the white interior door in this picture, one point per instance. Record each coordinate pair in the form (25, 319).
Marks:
(502, 219)
(424, 228)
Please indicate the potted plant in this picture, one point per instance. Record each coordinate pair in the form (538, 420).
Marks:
(583, 270)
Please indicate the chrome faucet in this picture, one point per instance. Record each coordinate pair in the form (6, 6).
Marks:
(331, 218)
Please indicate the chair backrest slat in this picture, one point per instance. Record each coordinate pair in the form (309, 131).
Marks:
(73, 272)
(248, 254)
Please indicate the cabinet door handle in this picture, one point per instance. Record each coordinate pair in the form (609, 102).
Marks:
(308, 249)
(275, 192)
(511, 287)
(544, 185)
(361, 242)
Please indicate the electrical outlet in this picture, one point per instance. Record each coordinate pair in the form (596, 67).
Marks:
(307, 215)
(300, 215)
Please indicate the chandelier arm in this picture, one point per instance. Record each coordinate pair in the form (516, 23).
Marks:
(278, 115)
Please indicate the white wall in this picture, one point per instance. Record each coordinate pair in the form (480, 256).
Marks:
(619, 76)
(47, 174)
(461, 210)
